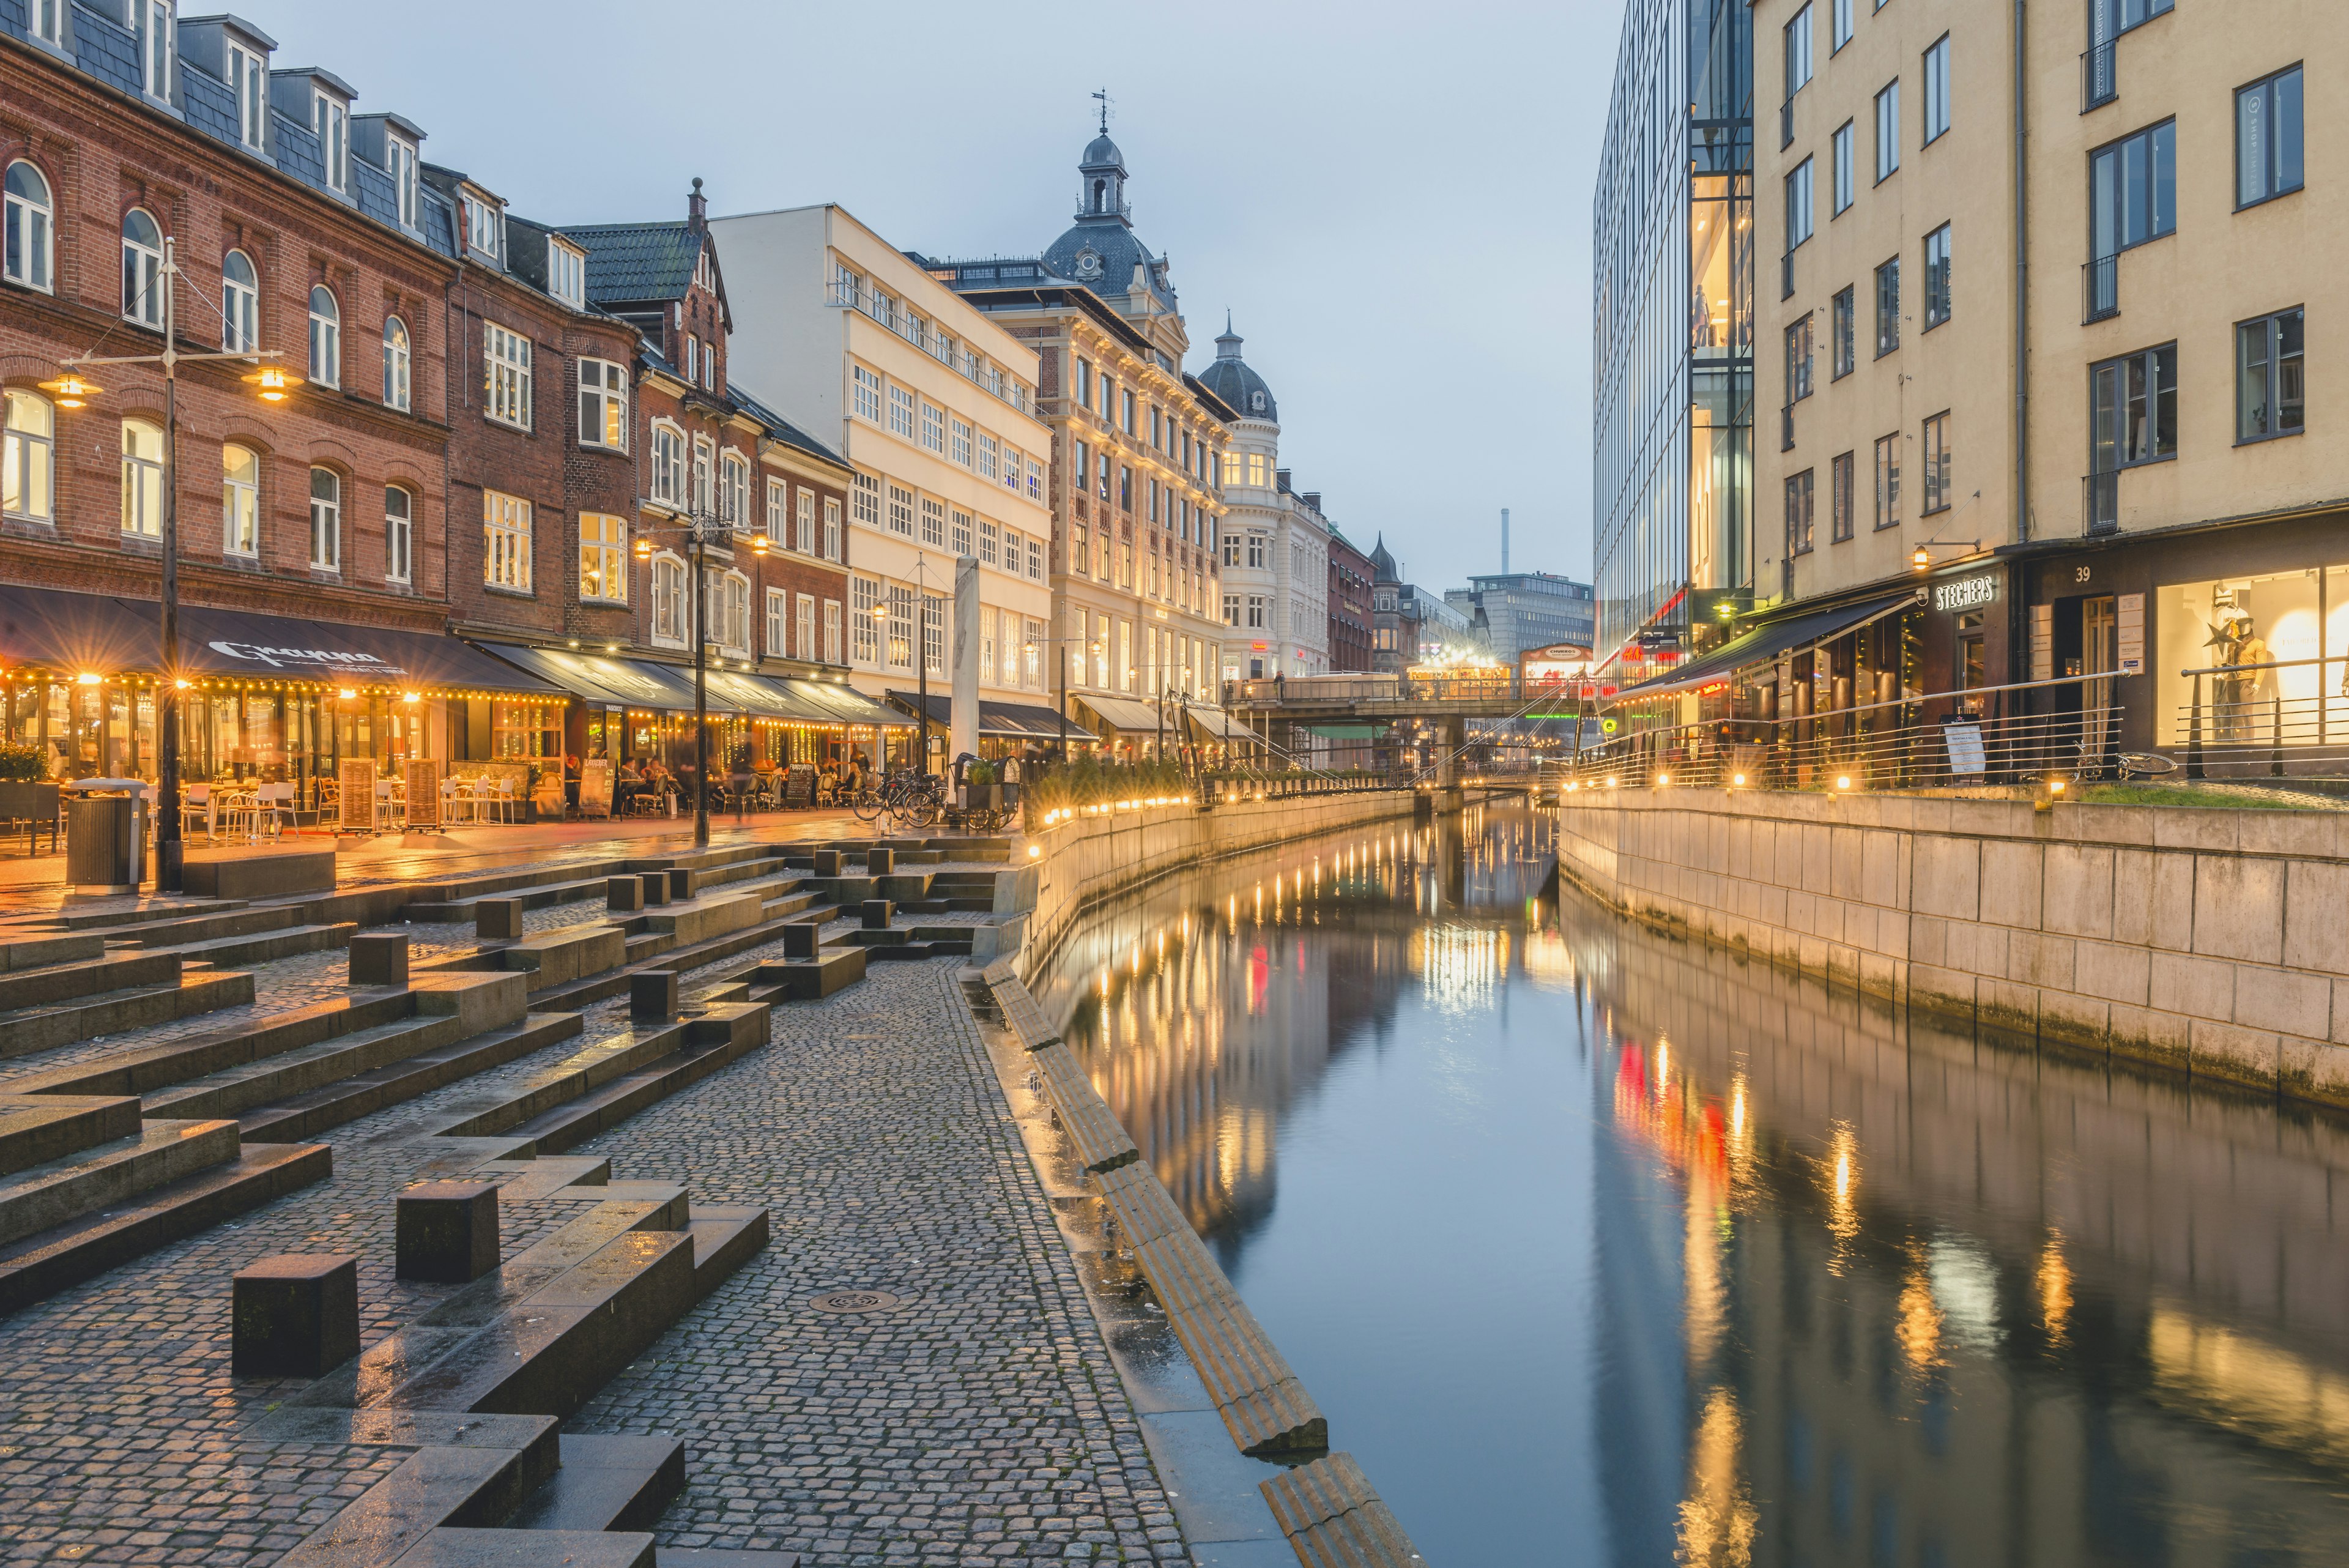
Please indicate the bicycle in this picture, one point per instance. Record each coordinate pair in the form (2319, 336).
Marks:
(912, 799)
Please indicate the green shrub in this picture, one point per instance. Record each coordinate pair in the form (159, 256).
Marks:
(19, 764)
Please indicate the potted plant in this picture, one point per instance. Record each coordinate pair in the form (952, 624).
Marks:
(979, 787)
(25, 795)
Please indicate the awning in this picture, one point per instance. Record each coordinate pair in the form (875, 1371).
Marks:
(1001, 721)
(612, 682)
(1216, 724)
(1126, 713)
(94, 633)
(1766, 642)
(845, 704)
(764, 698)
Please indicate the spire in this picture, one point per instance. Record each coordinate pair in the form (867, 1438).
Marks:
(1228, 346)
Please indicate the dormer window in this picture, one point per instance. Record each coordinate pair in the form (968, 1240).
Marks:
(481, 226)
(330, 117)
(158, 45)
(44, 20)
(248, 71)
(399, 158)
(701, 273)
(566, 273)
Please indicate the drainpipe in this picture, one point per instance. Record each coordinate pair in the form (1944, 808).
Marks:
(2021, 278)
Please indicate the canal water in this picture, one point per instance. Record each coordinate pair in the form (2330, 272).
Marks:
(1598, 1247)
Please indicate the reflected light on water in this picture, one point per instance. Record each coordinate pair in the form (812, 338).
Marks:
(2054, 1287)
(1917, 1322)
(1717, 1520)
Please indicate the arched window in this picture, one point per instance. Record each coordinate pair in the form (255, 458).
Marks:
(669, 599)
(240, 501)
(28, 228)
(28, 458)
(1101, 195)
(142, 478)
(325, 337)
(395, 364)
(240, 304)
(142, 269)
(326, 520)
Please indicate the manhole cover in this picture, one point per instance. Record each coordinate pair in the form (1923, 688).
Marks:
(855, 1301)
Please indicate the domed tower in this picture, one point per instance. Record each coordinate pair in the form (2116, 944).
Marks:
(1230, 379)
(1101, 249)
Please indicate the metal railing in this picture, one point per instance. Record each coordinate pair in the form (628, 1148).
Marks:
(2099, 76)
(2100, 502)
(1498, 684)
(888, 313)
(2100, 289)
(2240, 722)
(1986, 737)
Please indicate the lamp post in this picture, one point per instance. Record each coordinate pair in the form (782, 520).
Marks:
(1094, 644)
(71, 391)
(703, 526)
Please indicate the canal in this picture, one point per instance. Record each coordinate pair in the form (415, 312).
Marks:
(1599, 1248)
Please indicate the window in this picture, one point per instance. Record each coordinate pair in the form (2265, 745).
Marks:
(398, 534)
(1125, 488)
(567, 274)
(1256, 542)
(2268, 387)
(1937, 277)
(326, 520)
(1799, 514)
(1937, 90)
(1845, 475)
(1036, 558)
(1255, 611)
(669, 465)
(396, 364)
(506, 375)
(45, 20)
(1798, 204)
(934, 428)
(986, 457)
(28, 458)
(1231, 468)
(2133, 410)
(1846, 357)
(960, 451)
(703, 478)
(1940, 480)
(142, 478)
(901, 411)
(868, 393)
(989, 541)
(604, 405)
(960, 542)
(734, 490)
(603, 557)
(249, 74)
(481, 226)
(1839, 30)
(669, 599)
(29, 247)
(901, 510)
(901, 627)
(240, 501)
(240, 304)
(831, 528)
(864, 598)
(1887, 307)
(934, 633)
(1887, 482)
(934, 523)
(806, 543)
(1842, 150)
(325, 337)
(1125, 407)
(152, 21)
(505, 553)
(142, 269)
(1799, 51)
(330, 118)
(868, 500)
(2268, 138)
(807, 626)
(1888, 131)
(832, 631)
(2133, 188)
(779, 617)
(1798, 360)
(1231, 609)
(1011, 466)
(399, 158)
(730, 614)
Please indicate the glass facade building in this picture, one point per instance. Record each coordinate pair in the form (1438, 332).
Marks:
(1673, 320)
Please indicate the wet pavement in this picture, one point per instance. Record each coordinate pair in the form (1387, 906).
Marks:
(1600, 1247)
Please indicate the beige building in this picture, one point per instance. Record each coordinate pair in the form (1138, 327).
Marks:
(2087, 421)
(935, 407)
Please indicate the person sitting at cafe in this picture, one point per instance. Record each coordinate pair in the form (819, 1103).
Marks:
(570, 780)
(628, 783)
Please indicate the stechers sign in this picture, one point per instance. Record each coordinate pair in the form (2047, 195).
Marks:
(311, 658)
(1966, 592)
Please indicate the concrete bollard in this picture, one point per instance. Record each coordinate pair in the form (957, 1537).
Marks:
(624, 895)
(655, 886)
(827, 862)
(680, 883)
(379, 959)
(880, 862)
(876, 913)
(800, 939)
(497, 919)
(295, 1315)
(446, 1232)
(652, 995)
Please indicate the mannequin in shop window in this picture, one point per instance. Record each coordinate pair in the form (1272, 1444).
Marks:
(2239, 696)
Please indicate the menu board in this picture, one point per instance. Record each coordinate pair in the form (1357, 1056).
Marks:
(423, 792)
(1965, 742)
(2132, 634)
(358, 779)
(595, 787)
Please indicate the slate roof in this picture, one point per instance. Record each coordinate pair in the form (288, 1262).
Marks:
(1230, 379)
(631, 262)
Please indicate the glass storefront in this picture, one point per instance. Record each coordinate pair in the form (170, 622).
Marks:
(2213, 637)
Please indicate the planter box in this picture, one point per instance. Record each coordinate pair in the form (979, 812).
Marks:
(28, 800)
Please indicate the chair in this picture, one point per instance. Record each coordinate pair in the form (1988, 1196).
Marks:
(274, 810)
(507, 806)
(456, 801)
(198, 797)
(387, 814)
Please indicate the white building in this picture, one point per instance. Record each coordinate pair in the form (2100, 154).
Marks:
(934, 405)
(1276, 548)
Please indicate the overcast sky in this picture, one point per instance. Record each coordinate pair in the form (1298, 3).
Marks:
(1394, 202)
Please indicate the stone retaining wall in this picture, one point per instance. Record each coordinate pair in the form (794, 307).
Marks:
(1092, 857)
(2213, 942)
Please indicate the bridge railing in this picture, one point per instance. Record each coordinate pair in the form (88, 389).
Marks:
(1452, 686)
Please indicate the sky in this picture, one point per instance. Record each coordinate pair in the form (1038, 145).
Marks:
(1392, 201)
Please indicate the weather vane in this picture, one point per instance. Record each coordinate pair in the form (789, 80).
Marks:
(1104, 97)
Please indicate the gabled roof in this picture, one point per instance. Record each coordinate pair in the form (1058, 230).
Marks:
(628, 263)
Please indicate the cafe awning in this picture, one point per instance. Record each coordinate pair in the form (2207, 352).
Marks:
(1216, 724)
(74, 634)
(1126, 713)
(612, 682)
(999, 720)
(1766, 642)
(845, 704)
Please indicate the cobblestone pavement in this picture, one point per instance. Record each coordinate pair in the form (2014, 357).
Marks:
(983, 1422)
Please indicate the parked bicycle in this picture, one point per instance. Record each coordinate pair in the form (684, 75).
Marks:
(913, 799)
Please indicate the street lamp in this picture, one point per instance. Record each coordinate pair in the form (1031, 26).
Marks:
(71, 391)
(702, 529)
(1094, 646)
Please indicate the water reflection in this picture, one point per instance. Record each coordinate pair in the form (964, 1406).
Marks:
(1599, 1247)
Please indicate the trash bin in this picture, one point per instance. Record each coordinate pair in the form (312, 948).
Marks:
(106, 837)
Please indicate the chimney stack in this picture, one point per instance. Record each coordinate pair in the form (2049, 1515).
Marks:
(696, 207)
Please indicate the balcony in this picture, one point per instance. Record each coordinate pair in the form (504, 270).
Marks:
(2101, 503)
(887, 313)
(2100, 289)
(2099, 76)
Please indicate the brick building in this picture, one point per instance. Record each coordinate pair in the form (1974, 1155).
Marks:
(1350, 576)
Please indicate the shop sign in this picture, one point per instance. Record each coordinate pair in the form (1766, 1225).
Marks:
(2132, 634)
(278, 657)
(1966, 593)
(1650, 642)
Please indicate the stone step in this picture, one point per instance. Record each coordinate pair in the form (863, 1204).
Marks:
(724, 1239)
(654, 1059)
(28, 1030)
(606, 1483)
(141, 913)
(1100, 1144)
(571, 1123)
(1334, 1520)
(139, 1069)
(720, 1557)
(801, 979)
(261, 946)
(151, 1154)
(972, 905)
(465, 1471)
(240, 921)
(37, 1128)
(39, 947)
(235, 1090)
(660, 951)
(42, 1264)
(454, 1546)
(52, 984)
(362, 1094)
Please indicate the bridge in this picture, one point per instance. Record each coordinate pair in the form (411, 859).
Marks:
(1445, 701)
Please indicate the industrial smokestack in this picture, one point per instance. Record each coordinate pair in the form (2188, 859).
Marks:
(1505, 541)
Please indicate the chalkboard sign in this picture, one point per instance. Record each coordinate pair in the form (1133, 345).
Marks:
(1965, 743)
(595, 787)
(358, 779)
